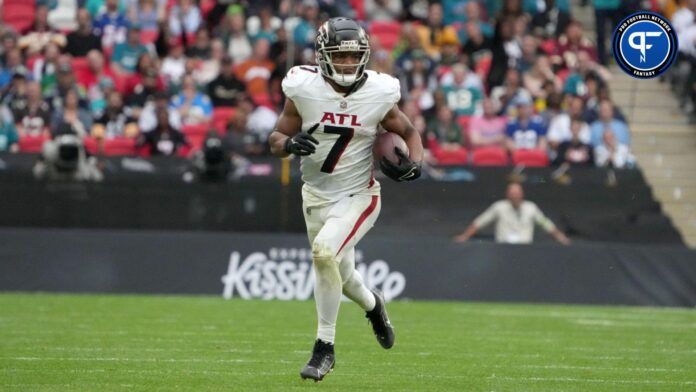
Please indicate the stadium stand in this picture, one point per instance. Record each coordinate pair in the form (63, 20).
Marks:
(459, 55)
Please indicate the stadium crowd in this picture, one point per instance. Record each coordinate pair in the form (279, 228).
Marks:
(485, 82)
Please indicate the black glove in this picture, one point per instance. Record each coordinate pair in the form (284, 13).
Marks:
(301, 144)
(405, 170)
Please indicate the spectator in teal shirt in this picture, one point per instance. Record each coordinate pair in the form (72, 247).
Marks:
(126, 55)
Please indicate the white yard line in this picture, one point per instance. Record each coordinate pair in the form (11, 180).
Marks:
(592, 368)
(592, 380)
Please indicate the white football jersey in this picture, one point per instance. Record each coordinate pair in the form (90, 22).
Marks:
(348, 126)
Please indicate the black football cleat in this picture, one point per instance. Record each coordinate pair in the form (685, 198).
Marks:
(384, 332)
(321, 363)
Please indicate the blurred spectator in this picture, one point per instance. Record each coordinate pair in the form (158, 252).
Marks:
(264, 25)
(143, 92)
(445, 130)
(66, 82)
(40, 35)
(575, 151)
(538, 75)
(606, 12)
(530, 53)
(164, 138)
(551, 22)
(514, 219)
(607, 122)
(111, 24)
(98, 96)
(477, 44)
(592, 104)
(506, 97)
(174, 65)
(487, 129)
(61, 17)
(434, 33)
(15, 95)
(418, 80)
(9, 139)
(200, 50)
(114, 122)
(45, 68)
(210, 67)
(573, 42)
(193, 106)
(613, 153)
(463, 91)
(262, 118)
(382, 10)
(238, 140)
(511, 8)
(472, 10)
(94, 73)
(148, 116)
(226, 89)
(184, 17)
(71, 113)
(232, 32)
(559, 124)
(506, 51)
(83, 40)
(306, 29)
(7, 45)
(126, 54)
(146, 14)
(526, 131)
(13, 67)
(255, 73)
(30, 112)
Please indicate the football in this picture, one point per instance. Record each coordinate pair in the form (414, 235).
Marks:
(384, 146)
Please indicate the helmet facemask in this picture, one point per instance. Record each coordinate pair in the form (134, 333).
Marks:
(328, 49)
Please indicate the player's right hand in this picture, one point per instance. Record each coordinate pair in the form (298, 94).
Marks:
(301, 144)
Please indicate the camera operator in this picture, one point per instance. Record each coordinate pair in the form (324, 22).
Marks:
(64, 158)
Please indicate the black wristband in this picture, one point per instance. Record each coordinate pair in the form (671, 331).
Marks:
(287, 145)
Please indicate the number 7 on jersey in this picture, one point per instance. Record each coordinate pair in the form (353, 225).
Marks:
(345, 135)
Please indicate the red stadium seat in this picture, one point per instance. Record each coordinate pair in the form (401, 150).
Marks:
(359, 7)
(148, 36)
(388, 33)
(79, 65)
(458, 157)
(530, 158)
(19, 14)
(489, 156)
(91, 144)
(32, 143)
(119, 146)
(463, 122)
(195, 134)
(221, 117)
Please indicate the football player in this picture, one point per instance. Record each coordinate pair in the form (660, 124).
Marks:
(331, 118)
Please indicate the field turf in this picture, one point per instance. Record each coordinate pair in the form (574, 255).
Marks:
(161, 343)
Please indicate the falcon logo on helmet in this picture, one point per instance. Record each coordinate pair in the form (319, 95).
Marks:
(339, 37)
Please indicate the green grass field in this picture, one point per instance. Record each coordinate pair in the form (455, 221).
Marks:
(148, 343)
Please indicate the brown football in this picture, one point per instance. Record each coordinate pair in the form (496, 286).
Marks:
(384, 147)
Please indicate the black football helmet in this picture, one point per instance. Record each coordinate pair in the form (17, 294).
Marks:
(342, 35)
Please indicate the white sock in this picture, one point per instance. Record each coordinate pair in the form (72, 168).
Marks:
(353, 286)
(327, 296)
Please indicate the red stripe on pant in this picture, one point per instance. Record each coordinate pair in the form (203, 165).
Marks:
(369, 210)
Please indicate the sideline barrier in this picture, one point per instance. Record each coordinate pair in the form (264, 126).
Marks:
(277, 266)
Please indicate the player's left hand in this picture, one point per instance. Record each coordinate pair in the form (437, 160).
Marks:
(405, 170)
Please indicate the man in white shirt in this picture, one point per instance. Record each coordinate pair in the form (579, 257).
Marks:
(514, 220)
